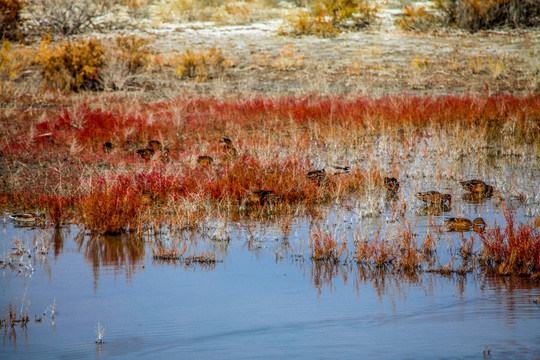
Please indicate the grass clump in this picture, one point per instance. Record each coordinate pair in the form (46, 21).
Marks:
(201, 65)
(512, 251)
(474, 15)
(324, 247)
(71, 65)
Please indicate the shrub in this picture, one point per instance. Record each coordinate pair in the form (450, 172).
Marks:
(69, 17)
(328, 17)
(10, 18)
(201, 65)
(417, 18)
(72, 65)
(12, 62)
(475, 15)
(134, 52)
(112, 209)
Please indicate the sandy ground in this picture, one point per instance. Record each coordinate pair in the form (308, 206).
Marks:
(382, 59)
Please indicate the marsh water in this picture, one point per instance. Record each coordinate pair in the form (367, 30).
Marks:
(265, 298)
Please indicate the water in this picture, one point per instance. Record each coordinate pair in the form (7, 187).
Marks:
(264, 299)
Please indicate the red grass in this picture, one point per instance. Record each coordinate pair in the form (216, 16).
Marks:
(69, 142)
(512, 251)
(325, 248)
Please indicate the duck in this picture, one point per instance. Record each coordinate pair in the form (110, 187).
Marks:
(29, 218)
(205, 160)
(147, 154)
(477, 187)
(391, 184)
(462, 224)
(107, 147)
(434, 197)
(321, 175)
(259, 197)
(228, 147)
(155, 145)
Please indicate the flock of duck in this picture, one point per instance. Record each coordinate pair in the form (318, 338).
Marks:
(475, 188)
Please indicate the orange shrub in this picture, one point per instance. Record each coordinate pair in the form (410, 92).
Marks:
(72, 65)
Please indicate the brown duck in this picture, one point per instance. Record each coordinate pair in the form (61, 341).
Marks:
(228, 147)
(205, 160)
(321, 176)
(259, 197)
(434, 197)
(477, 187)
(146, 154)
(391, 184)
(29, 218)
(108, 147)
(462, 224)
(155, 145)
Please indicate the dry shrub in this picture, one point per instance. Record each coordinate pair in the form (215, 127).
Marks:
(69, 17)
(13, 62)
(328, 17)
(475, 15)
(72, 65)
(303, 22)
(220, 11)
(417, 18)
(126, 61)
(10, 18)
(289, 59)
(134, 52)
(201, 65)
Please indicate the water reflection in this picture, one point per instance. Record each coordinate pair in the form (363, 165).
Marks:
(434, 209)
(122, 253)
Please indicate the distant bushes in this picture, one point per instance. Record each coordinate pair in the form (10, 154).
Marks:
(473, 15)
(476, 15)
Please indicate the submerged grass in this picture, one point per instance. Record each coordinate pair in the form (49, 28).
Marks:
(82, 164)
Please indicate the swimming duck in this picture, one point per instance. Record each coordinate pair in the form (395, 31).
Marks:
(462, 224)
(205, 160)
(434, 197)
(391, 184)
(321, 175)
(29, 218)
(477, 187)
(146, 154)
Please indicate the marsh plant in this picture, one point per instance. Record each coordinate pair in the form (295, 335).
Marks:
(100, 333)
